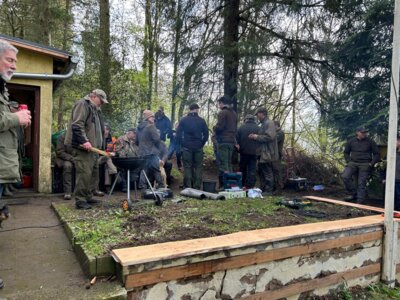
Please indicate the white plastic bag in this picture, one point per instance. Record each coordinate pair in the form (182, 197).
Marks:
(254, 193)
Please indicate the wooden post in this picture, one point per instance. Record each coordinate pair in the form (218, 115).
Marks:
(390, 240)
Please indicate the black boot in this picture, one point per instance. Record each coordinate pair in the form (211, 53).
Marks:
(221, 183)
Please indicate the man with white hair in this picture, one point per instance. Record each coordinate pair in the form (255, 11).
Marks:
(9, 123)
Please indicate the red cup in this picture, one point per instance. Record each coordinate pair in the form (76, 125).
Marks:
(22, 107)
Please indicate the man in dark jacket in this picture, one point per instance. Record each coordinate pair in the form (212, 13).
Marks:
(65, 160)
(225, 132)
(248, 151)
(163, 124)
(9, 122)
(267, 150)
(85, 131)
(361, 154)
(192, 135)
(149, 139)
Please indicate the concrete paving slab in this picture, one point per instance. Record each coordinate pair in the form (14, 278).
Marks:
(39, 263)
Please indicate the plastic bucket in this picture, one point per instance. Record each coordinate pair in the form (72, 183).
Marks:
(27, 181)
(209, 186)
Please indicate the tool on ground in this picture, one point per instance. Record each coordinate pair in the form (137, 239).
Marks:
(295, 203)
(159, 198)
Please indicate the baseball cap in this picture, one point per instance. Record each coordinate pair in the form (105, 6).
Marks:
(101, 94)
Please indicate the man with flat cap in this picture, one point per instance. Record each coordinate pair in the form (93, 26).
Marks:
(192, 134)
(85, 131)
(248, 151)
(361, 154)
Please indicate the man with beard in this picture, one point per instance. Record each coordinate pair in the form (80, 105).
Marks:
(9, 123)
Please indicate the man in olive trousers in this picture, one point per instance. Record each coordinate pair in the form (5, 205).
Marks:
(85, 131)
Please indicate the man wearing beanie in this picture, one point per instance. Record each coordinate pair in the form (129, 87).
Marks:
(248, 151)
(148, 138)
(192, 134)
(225, 132)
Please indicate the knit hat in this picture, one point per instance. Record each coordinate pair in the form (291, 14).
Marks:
(250, 117)
(262, 110)
(147, 114)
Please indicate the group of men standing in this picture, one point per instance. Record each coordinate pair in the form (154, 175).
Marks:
(250, 140)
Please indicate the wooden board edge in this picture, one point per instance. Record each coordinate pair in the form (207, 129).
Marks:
(223, 247)
(195, 269)
(344, 203)
(309, 285)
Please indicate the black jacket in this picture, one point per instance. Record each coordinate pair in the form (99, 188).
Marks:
(361, 151)
(192, 132)
(247, 146)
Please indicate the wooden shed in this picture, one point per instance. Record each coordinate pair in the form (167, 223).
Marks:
(39, 71)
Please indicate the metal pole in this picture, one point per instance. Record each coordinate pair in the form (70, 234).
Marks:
(390, 239)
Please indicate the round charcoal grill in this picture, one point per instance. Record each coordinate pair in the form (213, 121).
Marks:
(130, 164)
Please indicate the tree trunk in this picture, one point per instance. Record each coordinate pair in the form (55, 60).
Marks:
(105, 65)
(231, 50)
(293, 139)
(178, 27)
(149, 52)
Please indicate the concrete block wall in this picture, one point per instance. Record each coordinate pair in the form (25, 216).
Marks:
(295, 277)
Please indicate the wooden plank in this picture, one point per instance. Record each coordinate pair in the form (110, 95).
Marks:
(195, 269)
(36, 49)
(309, 285)
(171, 250)
(344, 203)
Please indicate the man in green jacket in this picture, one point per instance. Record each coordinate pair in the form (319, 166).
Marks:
(9, 123)
(85, 131)
(268, 150)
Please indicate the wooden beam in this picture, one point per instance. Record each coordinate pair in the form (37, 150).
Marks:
(344, 203)
(172, 250)
(309, 285)
(195, 269)
(45, 51)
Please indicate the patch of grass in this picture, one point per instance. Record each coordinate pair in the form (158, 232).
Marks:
(103, 228)
(383, 292)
